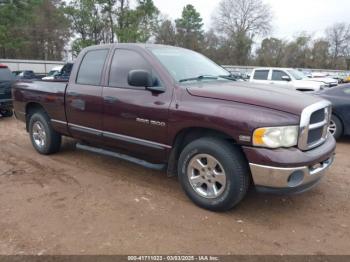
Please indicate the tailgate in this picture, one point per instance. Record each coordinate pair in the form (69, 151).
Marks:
(5, 90)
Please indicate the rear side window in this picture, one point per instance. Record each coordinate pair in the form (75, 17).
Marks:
(277, 75)
(123, 62)
(90, 71)
(261, 74)
(6, 75)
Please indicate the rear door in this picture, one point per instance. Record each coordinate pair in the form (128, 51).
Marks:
(134, 118)
(84, 103)
(261, 76)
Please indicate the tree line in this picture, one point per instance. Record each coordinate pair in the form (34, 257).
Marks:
(44, 29)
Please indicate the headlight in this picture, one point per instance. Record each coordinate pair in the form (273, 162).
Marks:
(275, 137)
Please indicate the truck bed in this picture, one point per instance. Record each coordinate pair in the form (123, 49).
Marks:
(48, 94)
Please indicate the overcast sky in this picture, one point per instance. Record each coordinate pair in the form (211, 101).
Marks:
(290, 16)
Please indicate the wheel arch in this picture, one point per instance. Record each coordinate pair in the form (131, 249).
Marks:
(30, 109)
(186, 136)
(341, 121)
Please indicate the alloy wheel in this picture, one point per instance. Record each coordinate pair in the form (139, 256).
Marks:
(206, 176)
(332, 127)
(39, 134)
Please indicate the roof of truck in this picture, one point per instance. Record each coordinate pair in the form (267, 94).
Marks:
(137, 45)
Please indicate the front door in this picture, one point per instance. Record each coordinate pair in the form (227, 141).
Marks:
(135, 119)
(277, 78)
(84, 102)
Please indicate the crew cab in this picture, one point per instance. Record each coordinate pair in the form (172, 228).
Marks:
(171, 108)
(288, 78)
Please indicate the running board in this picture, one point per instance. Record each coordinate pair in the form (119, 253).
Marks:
(120, 156)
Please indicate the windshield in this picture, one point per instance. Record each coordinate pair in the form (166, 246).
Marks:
(186, 64)
(296, 74)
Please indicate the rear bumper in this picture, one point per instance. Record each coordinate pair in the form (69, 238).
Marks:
(289, 170)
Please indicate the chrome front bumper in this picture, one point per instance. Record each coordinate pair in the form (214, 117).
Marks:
(289, 178)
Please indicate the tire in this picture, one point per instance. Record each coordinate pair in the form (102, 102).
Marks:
(7, 113)
(44, 139)
(336, 127)
(230, 162)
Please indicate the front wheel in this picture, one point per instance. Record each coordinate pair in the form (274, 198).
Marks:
(335, 127)
(213, 173)
(44, 139)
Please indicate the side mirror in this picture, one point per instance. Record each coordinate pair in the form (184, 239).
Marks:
(286, 78)
(143, 78)
(140, 78)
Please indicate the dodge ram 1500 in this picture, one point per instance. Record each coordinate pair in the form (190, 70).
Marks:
(168, 107)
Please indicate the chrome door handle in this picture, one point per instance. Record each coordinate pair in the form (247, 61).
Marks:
(73, 94)
(110, 99)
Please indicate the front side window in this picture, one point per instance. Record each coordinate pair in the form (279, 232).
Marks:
(123, 62)
(91, 67)
(261, 74)
(277, 75)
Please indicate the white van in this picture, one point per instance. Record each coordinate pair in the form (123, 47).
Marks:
(285, 77)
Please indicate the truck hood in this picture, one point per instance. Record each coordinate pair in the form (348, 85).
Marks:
(315, 85)
(273, 97)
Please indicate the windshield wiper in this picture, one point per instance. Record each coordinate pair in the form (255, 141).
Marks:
(198, 78)
(229, 77)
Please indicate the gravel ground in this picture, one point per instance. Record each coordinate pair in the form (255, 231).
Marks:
(76, 202)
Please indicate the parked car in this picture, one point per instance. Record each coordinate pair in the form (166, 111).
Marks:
(238, 76)
(346, 78)
(6, 80)
(176, 109)
(65, 72)
(287, 77)
(54, 71)
(340, 121)
(25, 75)
(336, 76)
(323, 78)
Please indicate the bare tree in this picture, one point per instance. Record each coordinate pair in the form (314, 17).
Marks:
(339, 39)
(240, 21)
(166, 32)
(252, 17)
(271, 52)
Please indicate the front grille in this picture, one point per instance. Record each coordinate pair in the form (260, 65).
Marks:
(314, 135)
(314, 125)
(317, 116)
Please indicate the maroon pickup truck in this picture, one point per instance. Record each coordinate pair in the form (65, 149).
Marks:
(168, 107)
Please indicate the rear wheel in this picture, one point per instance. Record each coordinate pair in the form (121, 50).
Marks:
(213, 173)
(336, 127)
(44, 139)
